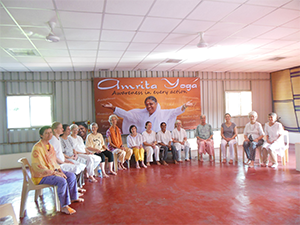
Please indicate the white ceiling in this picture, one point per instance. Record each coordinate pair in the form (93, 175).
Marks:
(243, 35)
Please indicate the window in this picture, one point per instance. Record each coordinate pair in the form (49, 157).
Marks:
(238, 103)
(28, 111)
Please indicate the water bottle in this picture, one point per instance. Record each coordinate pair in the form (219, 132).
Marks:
(99, 172)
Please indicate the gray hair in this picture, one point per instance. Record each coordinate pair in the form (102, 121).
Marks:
(177, 121)
(274, 115)
(253, 113)
(73, 126)
(93, 125)
(112, 116)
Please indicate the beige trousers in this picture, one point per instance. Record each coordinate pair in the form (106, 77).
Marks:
(123, 154)
(266, 153)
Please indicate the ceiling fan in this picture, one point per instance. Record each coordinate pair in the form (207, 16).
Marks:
(51, 37)
(202, 43)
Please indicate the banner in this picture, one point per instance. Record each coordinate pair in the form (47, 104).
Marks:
(125, 97)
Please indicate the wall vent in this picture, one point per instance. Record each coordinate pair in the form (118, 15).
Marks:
(173, 60)
(276, 58)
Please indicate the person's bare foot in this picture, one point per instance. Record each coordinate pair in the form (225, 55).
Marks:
(248, 161)
(210, 158)
(230, 161)
(148, 163)
(175, 162)
(164, 163)
(112, 173)
(251, 164)
(68, 210)
(158, 163)
(187, 160)
(143, 165)
(78, 200)
(224, 161)
(137, 165)
(180, 161)
(105, 175)
(92, 179)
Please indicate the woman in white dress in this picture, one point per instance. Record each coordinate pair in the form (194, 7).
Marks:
(135, 142)
(92, 161)
(150, 144)
(274, 145)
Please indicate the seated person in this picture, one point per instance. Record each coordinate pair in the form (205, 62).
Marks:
(164, 140)
(150, 144)
(115, 143)
(65, 164)
(135, 142)
(253, 134)
(75, 143)
(274, 145)
(228, 134)
(95, 143)
(45, 170)
(204, 135)
(180, 141)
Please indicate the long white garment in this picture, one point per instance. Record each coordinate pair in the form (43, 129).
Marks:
(164, 137)
(179, 136)
(68, 167)
(135, 141)
(150, 139)
(67, 147)
(92, 161)
(139, 117)
(78, 143)
(273, 132)
(255, 130)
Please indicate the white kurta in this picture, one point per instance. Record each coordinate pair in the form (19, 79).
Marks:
(164, 137)
(139, 117)
(150, 139)
(92, 161)
(253, 129)
(179, 136)
(68, 167)
(135, 141)
(78, 144)
(273, 132)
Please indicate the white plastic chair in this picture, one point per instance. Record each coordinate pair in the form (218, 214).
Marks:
(28, 185)
(8, 210)
(285, 158)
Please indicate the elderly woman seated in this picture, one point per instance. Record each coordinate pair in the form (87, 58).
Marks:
(95, 143)
(204, 135)
(180, 141)
(115, 143)
(135, 142)
(45, 170)
(253, 134)
(274, 145)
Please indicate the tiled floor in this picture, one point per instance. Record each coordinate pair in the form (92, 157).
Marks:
(188, 193)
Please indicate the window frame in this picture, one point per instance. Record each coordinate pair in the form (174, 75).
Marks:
(29, 102)
(240, 91)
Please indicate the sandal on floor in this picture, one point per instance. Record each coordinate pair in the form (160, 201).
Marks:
(68, 210)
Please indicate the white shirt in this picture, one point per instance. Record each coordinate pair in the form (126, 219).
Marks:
(149, 138)
(55, 142)
(179, 135)
(135, 141)
(274, 131)
(78, 144)
(253, 129)
(139, 117)
(164, 137)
